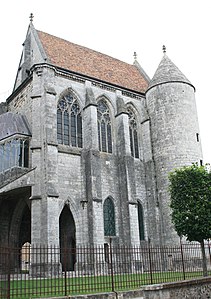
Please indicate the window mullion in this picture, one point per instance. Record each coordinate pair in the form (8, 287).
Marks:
(106, 135)
(133, 140)
(76, 129)
(62, 126)
(23, 153)
(70, 126)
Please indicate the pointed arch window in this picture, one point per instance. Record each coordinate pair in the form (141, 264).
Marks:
(69, 122)
(109, 217)
(141, 221)
(134, 146)
(104, 127)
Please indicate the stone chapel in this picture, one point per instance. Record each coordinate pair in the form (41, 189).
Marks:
(86, 145)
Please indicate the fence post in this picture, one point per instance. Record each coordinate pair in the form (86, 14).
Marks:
(8, 274)
(112, 271)
(150, 261)
(182, 256)
(209, 250)
(65, 268)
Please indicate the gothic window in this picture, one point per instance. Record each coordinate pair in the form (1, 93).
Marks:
(14, 153)
(104, 127)
(141, 221)
(109, 217)
(134, 147)
(69, 122)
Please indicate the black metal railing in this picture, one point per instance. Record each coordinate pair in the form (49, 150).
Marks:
(43, 271)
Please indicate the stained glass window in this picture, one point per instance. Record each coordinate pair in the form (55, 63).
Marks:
(141, 221)
(134, 147)
(109, 217)
(104, 127)
(69, 122)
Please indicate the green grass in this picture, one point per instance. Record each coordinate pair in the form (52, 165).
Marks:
(25, 289)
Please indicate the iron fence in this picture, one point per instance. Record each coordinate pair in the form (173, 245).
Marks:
(43, 271)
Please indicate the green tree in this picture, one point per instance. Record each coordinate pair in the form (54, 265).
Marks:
(190, 190)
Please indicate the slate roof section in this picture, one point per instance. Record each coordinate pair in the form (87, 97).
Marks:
(167, 72)
(12, 124)
(91, 63)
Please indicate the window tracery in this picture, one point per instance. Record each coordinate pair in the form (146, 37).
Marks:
(104, 127)
(69, 122)
(109, 217)
(134, 146)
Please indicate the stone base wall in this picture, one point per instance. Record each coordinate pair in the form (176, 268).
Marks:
(136, 294)
(196, 288)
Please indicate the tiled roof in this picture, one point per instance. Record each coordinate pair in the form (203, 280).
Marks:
(90, 63)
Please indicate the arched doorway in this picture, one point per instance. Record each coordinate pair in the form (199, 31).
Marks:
(67, 239)
(25, 227)
(15, 223)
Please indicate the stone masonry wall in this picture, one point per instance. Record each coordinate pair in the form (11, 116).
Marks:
(82, 178)
(193, 289)
(174, 128)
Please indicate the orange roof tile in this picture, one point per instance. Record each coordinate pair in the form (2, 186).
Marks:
(91, 63)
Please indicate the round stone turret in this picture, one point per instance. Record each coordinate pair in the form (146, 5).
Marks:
(174, 133)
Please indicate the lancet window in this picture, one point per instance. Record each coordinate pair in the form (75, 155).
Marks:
(14, 153)
(141, 221)
(69, 122)
(109, 217)
(134, 146)
(104, 127)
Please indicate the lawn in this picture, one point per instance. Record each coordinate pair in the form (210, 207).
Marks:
(33, 288)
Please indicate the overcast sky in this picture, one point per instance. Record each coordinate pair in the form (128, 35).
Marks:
(118, 28)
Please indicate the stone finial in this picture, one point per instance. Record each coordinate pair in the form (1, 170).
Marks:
(164, 49)
(31, 17)
(135, 55)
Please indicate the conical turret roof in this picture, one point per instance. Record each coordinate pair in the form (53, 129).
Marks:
(167, 72)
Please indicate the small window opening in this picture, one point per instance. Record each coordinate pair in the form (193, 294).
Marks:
(201, 162)
(197, 137)
(106, 252)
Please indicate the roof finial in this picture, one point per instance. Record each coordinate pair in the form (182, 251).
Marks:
(135, 55)
(164, 49)
(31, 17)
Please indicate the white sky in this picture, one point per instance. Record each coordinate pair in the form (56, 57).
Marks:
(118, 28)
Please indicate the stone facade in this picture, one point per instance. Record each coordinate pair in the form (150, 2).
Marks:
(61, 193)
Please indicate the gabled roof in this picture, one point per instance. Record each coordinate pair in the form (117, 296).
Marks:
(12, 124)
(82, 60)
(167, 72)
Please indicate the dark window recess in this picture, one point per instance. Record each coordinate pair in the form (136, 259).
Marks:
(106, 252)
(134, 146)
(104, 127)
(201, 162)
(197, 137)
(141, 221)
(109, 217)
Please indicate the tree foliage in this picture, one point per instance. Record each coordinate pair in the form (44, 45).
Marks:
(190, 190)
